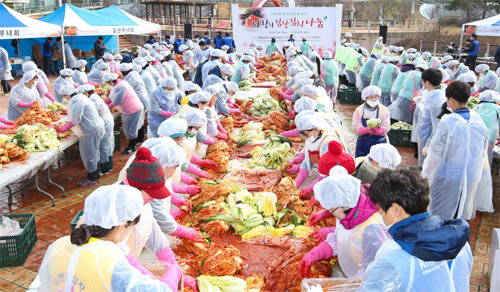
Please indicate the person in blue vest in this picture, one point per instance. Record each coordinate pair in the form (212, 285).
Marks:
(472, 51)
(219, 41)
(167, 39)
(47, 50)
(151, 40)
(228, 41)
(206, 39)
(291, 39)
(178, 42)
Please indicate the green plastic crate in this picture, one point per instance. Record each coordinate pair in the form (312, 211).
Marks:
(349, 96)
(400, 138)
(14, 250)
(74, 222)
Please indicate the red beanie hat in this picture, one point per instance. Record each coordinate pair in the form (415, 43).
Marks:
(336, 156)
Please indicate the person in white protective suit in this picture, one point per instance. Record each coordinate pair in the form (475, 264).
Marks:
(489, 111)
(219, 74)
(487, 78)
(214, 127)
(455, 159)
(95, 257)
(455, 69)
(124, 97)
(107, 144)
(41, 84)
(215, 60)
(23, 95)
(86, 123)
(79, 76)
(358, 234)
(426, 252)
(151, 69)
(135, 80)
(65, 79)
(164, 103)
(323, 102)
(176, 72)
(381, 156)
(330, 75)
(146, 76)
(387, 77)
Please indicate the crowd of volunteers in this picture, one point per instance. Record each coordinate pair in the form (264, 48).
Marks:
(399, 230)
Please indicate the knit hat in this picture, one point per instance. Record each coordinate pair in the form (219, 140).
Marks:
(146, 173)
(335, 156)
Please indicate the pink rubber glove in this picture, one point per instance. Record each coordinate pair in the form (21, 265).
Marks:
(196, 171)
(475, 92)
(182, 63)
(234, 111)
(65, 128)
(220, 128)
(166, 255)
(323, 76)
(320, 252)
(284, 88)
(379, 131)
(257, 71)
(285, 96)
(172, 277)
(289, 92)
(291, 133)
(307, 192)
(221, 136)
(291, 115)
(314, 218)
(187, 233)
(184, 189)
(190, 282)
(298, 158)
(196, 159)
(188, 180)
(209, 140)
(110, 106)
(25, 104)
(166, 114)
(294, 169)
(178, 202)
(92, 83)
(231, 104)
(230, 63)
(135, 263)
(313, 201)
(303, 174)
(176, 213)
(257, 64)
(107, 101)
(321, 234)
(5, 127)
(365, 131)
(49, 96)
(5, 121)
(207, 163)
(253, 79)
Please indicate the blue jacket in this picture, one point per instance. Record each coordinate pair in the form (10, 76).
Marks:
(497, 56)
(473, 48)
(219, 42)
(207, 41)
(47, 49)
(198, 78)
(228, 41)
(177, 44)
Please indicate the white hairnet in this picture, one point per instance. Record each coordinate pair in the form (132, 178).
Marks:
(113, 205)
(173, 128)
(108, 56)
(391, 48)
(303, 104)
(393, 59)
(227, 69)
(168, 82)
(182, 48)
(148, 46)
(150, 58)
(109, 76)
(66, 90)
(304, 74)
(446, 58)
(327, 55)
(83, 88)
(28, 66)
(216, 53)
(190, 86)
(81, 63)
(348, 35)
(27, 76)
(399, 49)
(421, 65)
(426, 55)
(340, 190)
(124, 67)
(199, 96)
(378, 55)
(103, 66)
(118, 57)
(379, 45)
(151, 142)
(225, 47)
(212, 90)
(246, 58)
(66, 72)
(293, 70)
(411, 50)
(169, 154)
(452, 63)
(259, 47)
(371, 90)
(386, 155)
(364, 52)
(411, 56)
(489, 95)
(310, 122)
(384, 59)
(249, 53)
(143, 53)
(232, 86)
(482, 68)
(309, 90)
(159, 57)
(290, 52)
(195, 118)
(337, 169)
(140, 61)
(356, 46)
(467, 77)
(137, 68)
(380, 39)
(302, 82)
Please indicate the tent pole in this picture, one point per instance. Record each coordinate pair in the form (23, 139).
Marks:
(461, 36)
(63, 48)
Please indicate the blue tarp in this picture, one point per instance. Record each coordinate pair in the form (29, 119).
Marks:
(9, 20)
(110, 16)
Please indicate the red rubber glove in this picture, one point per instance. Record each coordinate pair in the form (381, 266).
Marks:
(314, 218)
(209, 140)
(379, 131)
(285, 96)
(110, 106)
(187, 233)
(313, 202)
(298, 158)
(198, 172)
(178, 202)
(289, 92)
(220, 128)
(176, 213)
(308, 191)
(320, 252)
(365, 131)
(190, 282)
(321, 234)
(284, 88)
(65, 128)
(291, 115)
(207, 163)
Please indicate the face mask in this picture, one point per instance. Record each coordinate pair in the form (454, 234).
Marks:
(123, 244)
(191, 133)
(311, 139)
(449, 109)
(372, 103)
(82, 69)
(169, 93)
(67, 78)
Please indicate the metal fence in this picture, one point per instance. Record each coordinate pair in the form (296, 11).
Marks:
(393, 25)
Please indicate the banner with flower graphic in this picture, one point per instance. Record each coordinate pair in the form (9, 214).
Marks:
(318, 25)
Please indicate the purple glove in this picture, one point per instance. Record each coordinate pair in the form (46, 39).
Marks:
(25, 104)
(291, 133)
(314, 218)
(379, 131)
(284, 88)
(321, 234)
(198, 172)
(65, 128)
(166, 114)
(285, 96)
(234, 111)
(209, 140)
(188, 180)
(298, 158)
(303, 174)
(294, 169)
(187, 233)
(49, 96)
(289, 92)
(172, 276)
(5, 121)
(190, 282)
(320, 252)
(365, 131)
(135, 263)
(307, 192)
(184, 189)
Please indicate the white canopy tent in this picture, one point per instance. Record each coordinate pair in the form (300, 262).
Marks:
(485, 27)
(14, 25)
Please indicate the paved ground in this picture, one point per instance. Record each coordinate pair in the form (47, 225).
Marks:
(54, 222)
